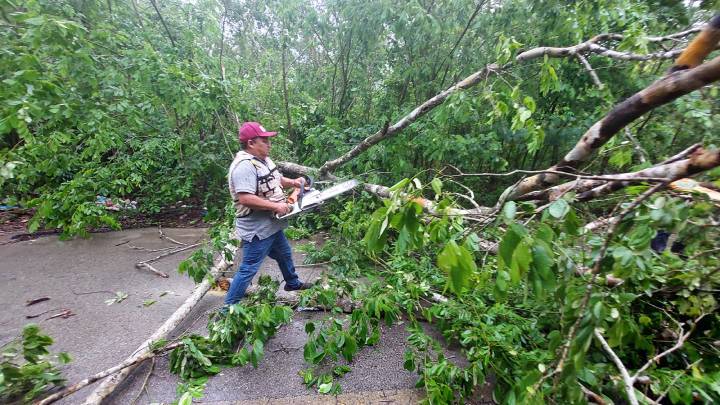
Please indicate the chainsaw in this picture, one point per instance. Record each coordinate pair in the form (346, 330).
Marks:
(306, 198)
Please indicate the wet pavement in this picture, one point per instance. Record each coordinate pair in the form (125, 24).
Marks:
(80, 275)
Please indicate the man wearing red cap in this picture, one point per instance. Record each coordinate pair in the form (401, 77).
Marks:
(256, 187)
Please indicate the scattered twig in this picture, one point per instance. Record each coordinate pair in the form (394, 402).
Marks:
(148, 267)
(92, 292)
(286, 349)
(154, 259)
(163, 236)
(143, 387)
(36, 301)
(45, 312)
(144, 249)
(145, 264)
(64, 315)
(312, 264)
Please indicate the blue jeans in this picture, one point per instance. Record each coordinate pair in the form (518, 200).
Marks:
(254, 252)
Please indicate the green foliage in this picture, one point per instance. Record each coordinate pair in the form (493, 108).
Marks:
(236, 337)
(36, 373)
(508, 321)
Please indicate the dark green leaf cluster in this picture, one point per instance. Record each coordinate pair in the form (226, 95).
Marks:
(27, 369)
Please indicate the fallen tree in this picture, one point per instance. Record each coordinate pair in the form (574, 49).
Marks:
(687, 75)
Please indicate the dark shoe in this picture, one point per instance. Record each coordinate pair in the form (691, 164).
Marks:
(302, 286)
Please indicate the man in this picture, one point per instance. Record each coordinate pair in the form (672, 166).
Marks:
(256, 187)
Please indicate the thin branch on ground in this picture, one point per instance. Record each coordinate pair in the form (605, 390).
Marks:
(143, 387)
(163, 236)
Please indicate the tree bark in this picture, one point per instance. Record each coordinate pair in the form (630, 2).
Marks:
(588, 189)
(661, 92)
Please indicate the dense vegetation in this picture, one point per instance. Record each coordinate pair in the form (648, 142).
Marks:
(141, 99)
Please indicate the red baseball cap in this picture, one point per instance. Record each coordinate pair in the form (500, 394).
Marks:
(250, 130)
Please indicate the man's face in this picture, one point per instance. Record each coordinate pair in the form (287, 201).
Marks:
(259, 147)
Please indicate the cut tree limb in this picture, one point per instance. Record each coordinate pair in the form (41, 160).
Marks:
(111, 382)
(384, 192)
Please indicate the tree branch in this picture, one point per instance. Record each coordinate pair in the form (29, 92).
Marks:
(596, 271)
(661, 92)
(404, 122)
(162, 20)
(111, 382)
(629, 381)
(684, 77)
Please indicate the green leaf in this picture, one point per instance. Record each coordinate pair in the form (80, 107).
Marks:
(349, 348)
(459, 264)
(325, 388)
(185, 399)
(436, 185)
(509, 211)
(520, 262)
(559, 208)
(509, 242)
(400, 185)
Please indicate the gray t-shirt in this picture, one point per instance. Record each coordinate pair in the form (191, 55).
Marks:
(259, 223)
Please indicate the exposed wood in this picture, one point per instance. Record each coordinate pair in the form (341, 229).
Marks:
(700, 47)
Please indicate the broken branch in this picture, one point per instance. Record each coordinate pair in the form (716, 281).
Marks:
(405, 121)
(112, 381)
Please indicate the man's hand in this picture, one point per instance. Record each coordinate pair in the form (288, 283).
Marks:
(281, 208)
(299, 182)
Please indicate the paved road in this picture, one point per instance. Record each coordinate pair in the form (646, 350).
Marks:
(74, 275)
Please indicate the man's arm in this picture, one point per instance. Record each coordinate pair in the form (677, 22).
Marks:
(256, 203)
